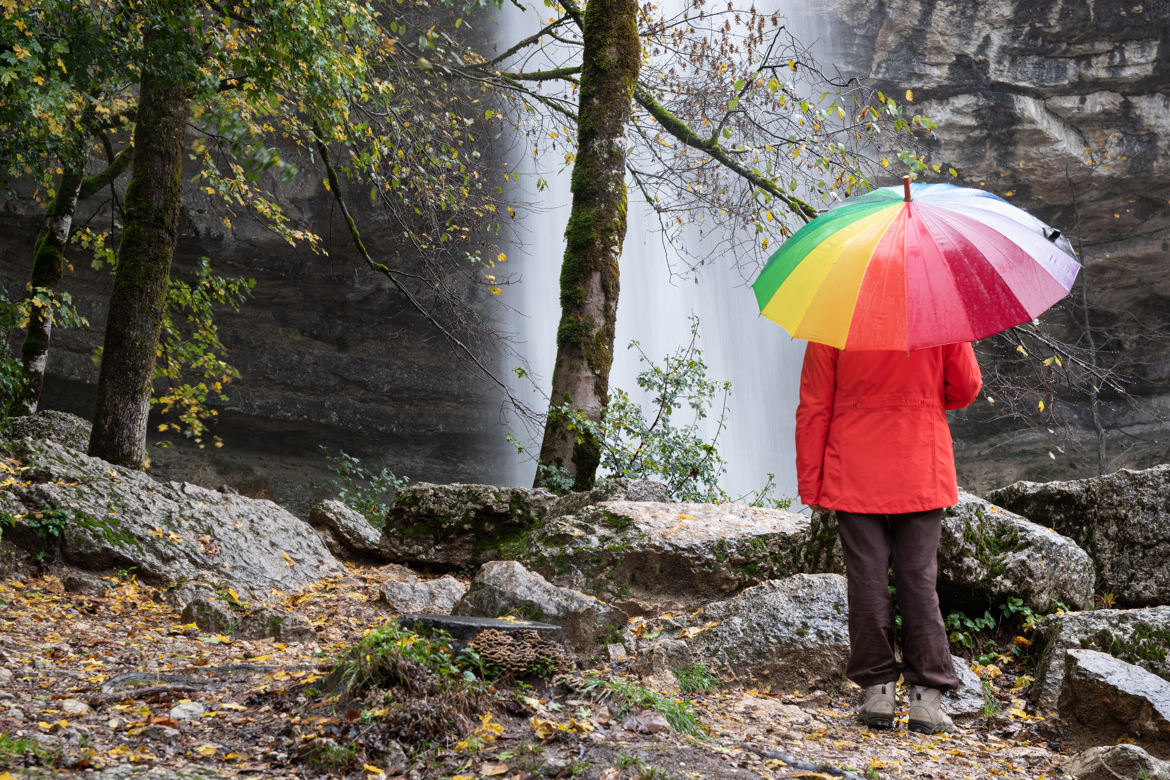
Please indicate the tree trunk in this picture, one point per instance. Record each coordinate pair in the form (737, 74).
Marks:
(594, 236)
(48, 266)
(143, 275)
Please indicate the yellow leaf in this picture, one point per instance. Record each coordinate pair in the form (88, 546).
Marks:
(373, 769)
(909, 96)
(288, 560)
(1040, 405)
(207, 750)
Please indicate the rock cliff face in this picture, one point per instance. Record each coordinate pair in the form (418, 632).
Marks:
(1060, 106)
(329, 354)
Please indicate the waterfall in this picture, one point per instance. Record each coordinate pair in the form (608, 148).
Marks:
(761, 361)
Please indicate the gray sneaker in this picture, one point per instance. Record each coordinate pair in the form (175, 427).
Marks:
(877, 711)
(926, 711)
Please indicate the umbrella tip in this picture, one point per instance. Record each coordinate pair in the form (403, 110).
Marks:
(906, 185)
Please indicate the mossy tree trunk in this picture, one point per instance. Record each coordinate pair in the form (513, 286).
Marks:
(594, 236)
(144, 263)
(48, 266)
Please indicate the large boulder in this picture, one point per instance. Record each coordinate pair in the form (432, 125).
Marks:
(791, 633)
(1104, 700)
(1121, 519)
(671, 555)
(458, 527)
(1138, 636)
(986, 555)
(346, 532)
(1111, 762)
(102, 517)
(61, 427)
(411, 594)
(506, 588)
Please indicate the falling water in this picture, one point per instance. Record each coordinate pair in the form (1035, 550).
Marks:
(759, 359)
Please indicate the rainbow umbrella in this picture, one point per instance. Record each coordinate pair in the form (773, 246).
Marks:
(915, 266)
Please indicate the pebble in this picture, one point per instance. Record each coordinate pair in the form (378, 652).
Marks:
(187, 710)
(5, 676)
(74, 707)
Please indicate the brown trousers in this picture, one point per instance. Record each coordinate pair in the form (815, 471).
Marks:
(910, 542)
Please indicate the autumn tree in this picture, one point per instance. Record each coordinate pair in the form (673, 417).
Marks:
(223, 83)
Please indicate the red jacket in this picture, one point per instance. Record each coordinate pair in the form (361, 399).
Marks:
(871, 427)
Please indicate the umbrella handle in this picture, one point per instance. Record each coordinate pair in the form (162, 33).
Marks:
(906, 185)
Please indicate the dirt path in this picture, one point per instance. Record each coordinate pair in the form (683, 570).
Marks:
(103, 680)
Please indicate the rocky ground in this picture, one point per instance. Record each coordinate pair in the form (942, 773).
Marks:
(103, 679)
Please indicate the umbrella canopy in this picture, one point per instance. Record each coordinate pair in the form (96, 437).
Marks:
(915, 266)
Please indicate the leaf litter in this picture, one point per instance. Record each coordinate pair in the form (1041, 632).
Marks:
(90, 682)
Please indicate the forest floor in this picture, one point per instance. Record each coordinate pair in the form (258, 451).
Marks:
(90, 682)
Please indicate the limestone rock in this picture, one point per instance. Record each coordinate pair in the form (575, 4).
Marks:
(987, 554)
(1057, 110)
(106, 517)
(790, 634)
(267, 622)
(413, 594)
(1110, 762)
(66, 429)
(1121, 519)
(347, 533)
(966, 701)
(1138, 636)
(1105, 699)
(673, 555)
(458, 527)
(620, 489)
(507, 588)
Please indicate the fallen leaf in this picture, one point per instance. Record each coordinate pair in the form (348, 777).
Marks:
(493, 769)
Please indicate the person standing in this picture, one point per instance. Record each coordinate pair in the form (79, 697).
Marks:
(872, 443)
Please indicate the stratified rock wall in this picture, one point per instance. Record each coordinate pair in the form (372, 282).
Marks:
(1062, 107)
(329, 352)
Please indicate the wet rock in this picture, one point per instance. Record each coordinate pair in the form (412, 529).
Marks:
(1137, 636)
(413, 594)
(790, 634)
(104, 517)
(507, 588)
(457, 527)
(986, 555)
(671, 555)
(965, 702)
(1104, 700)
(1111, 762)
(348, 534)
(1121, 519)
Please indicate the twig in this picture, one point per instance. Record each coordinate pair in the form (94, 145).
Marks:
(807, 766)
